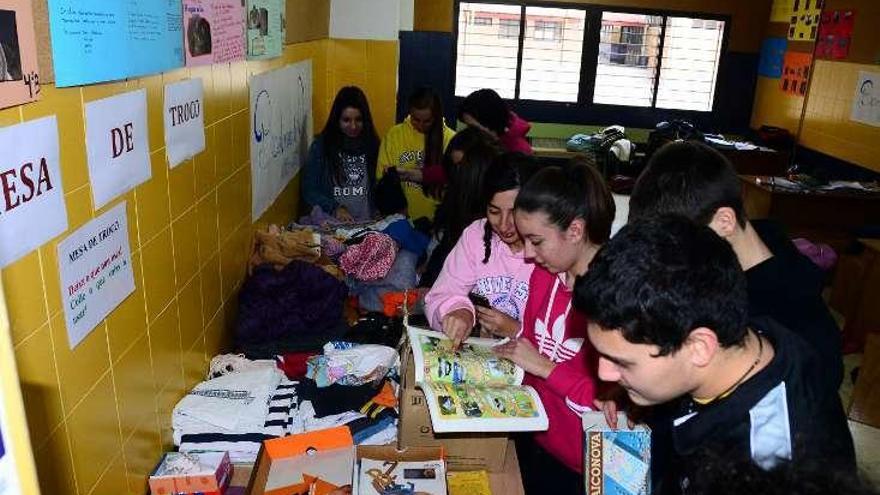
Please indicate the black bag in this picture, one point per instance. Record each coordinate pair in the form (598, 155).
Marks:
(667, 132)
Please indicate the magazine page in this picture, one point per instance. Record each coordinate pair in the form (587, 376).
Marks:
(470, 408)
(473, 363)
(377, 477)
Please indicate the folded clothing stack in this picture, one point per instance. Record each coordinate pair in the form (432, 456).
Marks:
(368, 411)
(236, 413)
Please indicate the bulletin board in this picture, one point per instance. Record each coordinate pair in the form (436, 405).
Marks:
(17, 472)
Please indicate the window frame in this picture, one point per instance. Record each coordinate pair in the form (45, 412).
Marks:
(573, 112)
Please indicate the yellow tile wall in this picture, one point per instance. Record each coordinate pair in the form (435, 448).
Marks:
(99, 415)
(774, 107)
(827, 127)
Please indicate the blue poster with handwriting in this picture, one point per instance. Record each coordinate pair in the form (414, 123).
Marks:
(100, 40)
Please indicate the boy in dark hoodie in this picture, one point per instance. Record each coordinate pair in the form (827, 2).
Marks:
(691, 179)
(669, 319)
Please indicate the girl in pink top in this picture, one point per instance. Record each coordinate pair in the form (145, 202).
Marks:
(488, 261)
(564, 215)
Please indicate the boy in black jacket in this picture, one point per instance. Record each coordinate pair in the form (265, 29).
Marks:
(691, 179)
(669, 319)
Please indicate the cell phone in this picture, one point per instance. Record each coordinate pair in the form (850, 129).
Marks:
(479, 300)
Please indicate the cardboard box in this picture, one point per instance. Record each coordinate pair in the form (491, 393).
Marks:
(212, 480)
(391, 453)
(313, 462)
(464, 451)
(616, 461)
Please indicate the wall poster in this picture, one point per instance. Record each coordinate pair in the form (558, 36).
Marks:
(32, 209)
(213, 31)
(866, 104)
(835, 34)
(19, 78)
(796, 73)
(100, 40)
(266, 26)
(281, 128)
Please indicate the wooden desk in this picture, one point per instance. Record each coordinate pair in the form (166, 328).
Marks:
(829, 217)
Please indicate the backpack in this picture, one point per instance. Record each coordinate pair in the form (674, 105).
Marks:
(667, 132)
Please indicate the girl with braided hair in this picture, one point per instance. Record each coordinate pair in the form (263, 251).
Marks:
(487, 261)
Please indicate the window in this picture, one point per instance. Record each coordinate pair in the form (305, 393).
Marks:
(547, 30)
(643, 59)
(689, 68)
(508, 28)
(551, 60)
(487, 58)
(629, 47)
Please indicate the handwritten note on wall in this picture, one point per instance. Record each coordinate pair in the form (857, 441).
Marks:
(866, 104)
(214, 31)
(19, 79)
(96, 274)
(100, 40)
(281, 126)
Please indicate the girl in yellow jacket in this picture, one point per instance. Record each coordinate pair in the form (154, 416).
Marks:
(416, 143)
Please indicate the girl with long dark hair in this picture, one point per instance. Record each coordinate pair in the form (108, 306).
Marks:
(341, 168)
(468, 155)
(564, 215)
(416, 143)
(488, 260)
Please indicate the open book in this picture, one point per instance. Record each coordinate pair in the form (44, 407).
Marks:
(472, 389)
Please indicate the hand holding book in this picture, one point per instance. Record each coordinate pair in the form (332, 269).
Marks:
(523, 354)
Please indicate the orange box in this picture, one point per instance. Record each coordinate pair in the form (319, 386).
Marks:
(213, 479)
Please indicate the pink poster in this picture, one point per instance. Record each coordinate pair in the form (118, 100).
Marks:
(213, 31)
(19, 81)
(835, 34)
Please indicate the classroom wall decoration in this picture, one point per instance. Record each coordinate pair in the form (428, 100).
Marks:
(804, 22)
(184, 120)
(772, 56)
(19, 77)
(796, 72)
(97, 40)
(213, 31)
(96, 275)
(265, 28)
(118, 144)
(866, 103)
(835, 34)
(32, 209)
(281, 126)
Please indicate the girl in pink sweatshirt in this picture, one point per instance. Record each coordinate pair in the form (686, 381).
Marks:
(488, 261)
(564, 215)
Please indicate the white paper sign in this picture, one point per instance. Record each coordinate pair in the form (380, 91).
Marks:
(96, 275)
(281, 128)
(32, 209)
(9, 482)
(118, 145)
(866, 104)
(184, 120)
